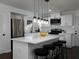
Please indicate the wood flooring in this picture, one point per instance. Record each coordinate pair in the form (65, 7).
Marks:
(5, 56)
(71, 54)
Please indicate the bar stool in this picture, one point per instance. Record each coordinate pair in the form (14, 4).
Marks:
(58, 48)
(64, 46)
(63, 42)
(51, 49)
(41, 52)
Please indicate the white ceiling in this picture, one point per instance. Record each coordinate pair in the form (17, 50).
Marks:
(55, 5)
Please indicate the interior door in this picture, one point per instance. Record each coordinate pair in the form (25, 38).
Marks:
(4, 33)
(1, 31)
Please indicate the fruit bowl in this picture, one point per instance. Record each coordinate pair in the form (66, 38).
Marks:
(43, 34)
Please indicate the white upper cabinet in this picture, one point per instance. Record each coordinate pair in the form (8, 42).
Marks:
(66, 20)
(56, 15)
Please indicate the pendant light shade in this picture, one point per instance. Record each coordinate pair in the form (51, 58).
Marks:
(47, 0)
(34, 17)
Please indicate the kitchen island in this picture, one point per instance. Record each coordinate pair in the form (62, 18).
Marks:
(23, 47)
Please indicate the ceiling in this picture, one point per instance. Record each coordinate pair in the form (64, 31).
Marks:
(55, 5)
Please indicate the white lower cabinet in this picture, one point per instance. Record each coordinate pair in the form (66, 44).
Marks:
(67, 38)
(75, 40)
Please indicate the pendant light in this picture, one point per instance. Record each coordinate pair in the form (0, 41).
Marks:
(41, 9)
(38, 10)
(47, 10)
(34, 12)
(44, 11)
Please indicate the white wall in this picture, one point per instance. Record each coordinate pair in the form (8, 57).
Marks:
(5, 11)
(16, 10)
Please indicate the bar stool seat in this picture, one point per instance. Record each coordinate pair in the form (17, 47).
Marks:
(41, 52)
(49, 47)
(58, 44)
(62, 41)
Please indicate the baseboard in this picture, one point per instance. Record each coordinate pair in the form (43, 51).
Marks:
(2, 52)
(68, 46)
(75, 46)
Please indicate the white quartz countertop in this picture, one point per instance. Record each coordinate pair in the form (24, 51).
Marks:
(35, 39)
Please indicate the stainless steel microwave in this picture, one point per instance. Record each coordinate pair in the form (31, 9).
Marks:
(55, 21)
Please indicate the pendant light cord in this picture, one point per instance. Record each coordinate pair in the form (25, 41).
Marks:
(38, 8)
(47, 10)
(42, 8)
(34, 9)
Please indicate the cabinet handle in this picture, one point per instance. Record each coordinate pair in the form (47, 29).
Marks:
(75, 33)
(4, 34)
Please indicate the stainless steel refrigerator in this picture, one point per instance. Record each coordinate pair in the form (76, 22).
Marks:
(17, 27)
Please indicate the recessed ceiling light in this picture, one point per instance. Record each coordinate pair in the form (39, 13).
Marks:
(49, 10)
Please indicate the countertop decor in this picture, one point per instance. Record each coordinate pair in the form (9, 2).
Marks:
(43, 34)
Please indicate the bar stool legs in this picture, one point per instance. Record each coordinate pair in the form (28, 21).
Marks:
(51, 50)
(65, 52)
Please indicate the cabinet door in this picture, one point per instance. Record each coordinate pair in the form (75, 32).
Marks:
(63, 20)
(66, 20)
(68, 39)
